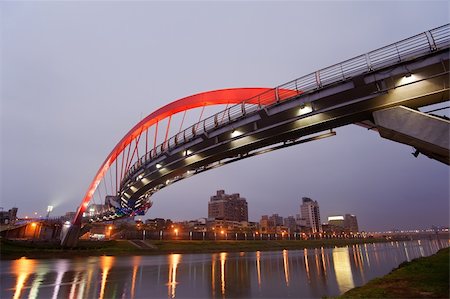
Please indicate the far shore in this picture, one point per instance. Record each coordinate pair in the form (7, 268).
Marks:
(10, 249)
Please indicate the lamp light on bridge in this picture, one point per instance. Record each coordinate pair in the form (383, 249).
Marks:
(304, 109)
(158, 166)
(407, 78)
(187, 152)
(235, 133)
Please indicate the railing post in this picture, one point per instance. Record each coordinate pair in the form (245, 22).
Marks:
(398, 53)
(277, 97)
(243, 108)
(431, 42)
(368, 62)
(319, 85)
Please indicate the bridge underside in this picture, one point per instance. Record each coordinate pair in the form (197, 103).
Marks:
(428, 134)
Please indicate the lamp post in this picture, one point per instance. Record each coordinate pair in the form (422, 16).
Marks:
(49, 209)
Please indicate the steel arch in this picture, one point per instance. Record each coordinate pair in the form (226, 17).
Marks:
(209, 98)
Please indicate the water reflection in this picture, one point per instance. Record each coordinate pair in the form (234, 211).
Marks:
(24, 268)
(343, 269)
(174, 260)
(311, 273)
(106, 263)
(258, 267)
(286, 266)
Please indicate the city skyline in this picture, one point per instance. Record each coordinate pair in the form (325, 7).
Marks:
(66, 103)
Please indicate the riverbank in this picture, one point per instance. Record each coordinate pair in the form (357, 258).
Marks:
(17, 249)
(426, 277)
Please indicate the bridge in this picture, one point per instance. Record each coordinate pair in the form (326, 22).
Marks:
(381, 90)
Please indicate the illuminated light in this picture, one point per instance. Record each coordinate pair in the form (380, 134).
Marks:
(158, 166)
(49, 209)
(222, 232)
(187, 152)
(85, 204)
(33, 224)
(304, 109)
(110, 227)
(167, 182)
(408, 78)
(236, 133)
(331, 218)
(67, 223)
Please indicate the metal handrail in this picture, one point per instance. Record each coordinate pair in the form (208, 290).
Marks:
(407, 49)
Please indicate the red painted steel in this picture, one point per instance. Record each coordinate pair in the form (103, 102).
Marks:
(209, 98)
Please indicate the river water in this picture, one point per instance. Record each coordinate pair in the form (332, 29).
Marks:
(308, 273)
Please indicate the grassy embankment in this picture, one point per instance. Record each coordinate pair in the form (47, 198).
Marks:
(14, 249)
(426, 277)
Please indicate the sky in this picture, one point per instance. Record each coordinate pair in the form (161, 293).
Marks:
(76, 76)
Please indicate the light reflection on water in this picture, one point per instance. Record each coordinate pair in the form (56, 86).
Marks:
(311, 273)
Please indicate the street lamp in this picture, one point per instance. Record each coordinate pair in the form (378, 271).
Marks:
(49, 209)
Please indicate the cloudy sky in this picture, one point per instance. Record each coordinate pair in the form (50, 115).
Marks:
(76, 76)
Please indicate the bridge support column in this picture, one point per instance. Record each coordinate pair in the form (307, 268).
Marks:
(427, 133)
(70, 236)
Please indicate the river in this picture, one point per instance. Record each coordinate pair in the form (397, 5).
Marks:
(307, 273)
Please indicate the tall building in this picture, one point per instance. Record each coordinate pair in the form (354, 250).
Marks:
(228, 207)
(309, 210)
(351, 223)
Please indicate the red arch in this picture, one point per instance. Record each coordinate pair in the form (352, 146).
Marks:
(215, 97)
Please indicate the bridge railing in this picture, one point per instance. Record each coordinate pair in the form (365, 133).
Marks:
(404, 50)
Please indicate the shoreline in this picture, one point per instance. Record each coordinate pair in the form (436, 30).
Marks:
(10, 250)
(425, 277)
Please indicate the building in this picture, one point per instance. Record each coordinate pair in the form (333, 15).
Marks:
(8, 217)
(290, 223)
(266, 224)
(276, 219)
(346, 222)
(309, 210)
(337, 220)
(228, 207)
(351, 223)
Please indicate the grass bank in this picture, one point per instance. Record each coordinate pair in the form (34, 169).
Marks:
(17, 249)
(426, 277)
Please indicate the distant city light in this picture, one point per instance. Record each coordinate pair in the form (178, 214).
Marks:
(49, 209)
